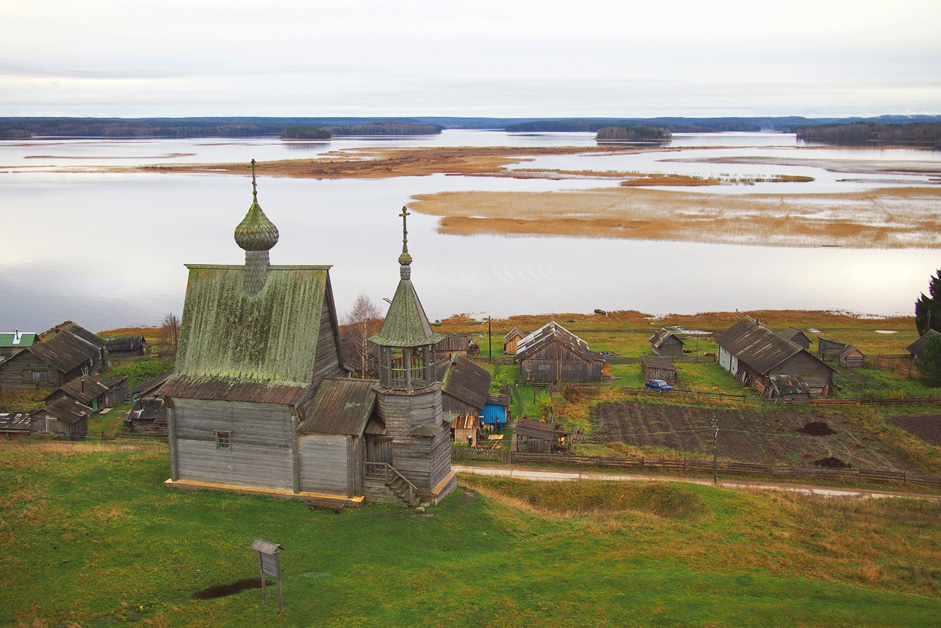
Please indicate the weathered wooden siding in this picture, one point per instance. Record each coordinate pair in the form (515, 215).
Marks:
(817, 376)
(325, 464)
(670, 347)
(423, 460)
(16, 373)
(260, 444)
(555, 363)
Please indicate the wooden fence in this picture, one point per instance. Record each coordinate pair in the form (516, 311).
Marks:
(701, 466)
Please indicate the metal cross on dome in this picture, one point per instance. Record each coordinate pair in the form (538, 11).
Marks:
(254, 187)
(404, 227)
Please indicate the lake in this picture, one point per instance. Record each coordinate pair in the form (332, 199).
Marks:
(107, 249)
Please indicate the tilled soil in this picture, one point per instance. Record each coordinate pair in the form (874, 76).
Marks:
(926, 426)
(771, 437)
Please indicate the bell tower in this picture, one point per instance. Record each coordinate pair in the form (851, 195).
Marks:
(409, 397)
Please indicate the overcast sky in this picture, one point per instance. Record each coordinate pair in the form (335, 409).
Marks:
(481, 58)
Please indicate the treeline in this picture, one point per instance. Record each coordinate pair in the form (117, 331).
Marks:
(873, 133)
(305, 133)
(632, 134)
(386, 128)
(673, 125)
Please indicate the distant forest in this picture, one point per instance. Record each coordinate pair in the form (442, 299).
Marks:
(632, 134)
(25, 128)
(872, 133)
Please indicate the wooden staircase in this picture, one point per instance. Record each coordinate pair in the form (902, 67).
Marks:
(395, 482)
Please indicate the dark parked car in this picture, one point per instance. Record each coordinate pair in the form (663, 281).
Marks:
(658, 384)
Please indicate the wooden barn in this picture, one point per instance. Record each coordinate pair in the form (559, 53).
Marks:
(537, 438)
(510, 340)
(797, 336)
(12, 342)
(851, 358)
(65, 417)
(259, 399)
(465, 387)
(658, 368)
(829, 349)
(117, 390)
(916, 349)
(554, 354)
(51, 363)
(129, 346)
(752, 352)
(84, 389)
(455, 344)
(148, 415)
(786, 388)
(666, 343)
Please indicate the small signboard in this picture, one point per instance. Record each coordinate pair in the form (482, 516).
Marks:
(268, 559)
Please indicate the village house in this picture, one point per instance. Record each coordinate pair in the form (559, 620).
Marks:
(260, 400)
(666, 343)
(554, 354)
(127, 346)
(797, 336)
(84, 389)
(510, 341)
(12, 342)
(53, 362)
(465, 387)
(752, 352)
(65, 417)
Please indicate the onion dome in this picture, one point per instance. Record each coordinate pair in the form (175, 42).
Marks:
(256, 232)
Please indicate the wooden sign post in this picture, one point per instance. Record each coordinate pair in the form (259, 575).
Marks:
(270, 564)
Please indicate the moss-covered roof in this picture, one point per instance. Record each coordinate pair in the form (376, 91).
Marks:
(406, 324)
(270, 337)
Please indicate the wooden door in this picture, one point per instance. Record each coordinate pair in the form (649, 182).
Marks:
(378, 449)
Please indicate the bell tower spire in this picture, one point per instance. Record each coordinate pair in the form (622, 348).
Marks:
(256, 235)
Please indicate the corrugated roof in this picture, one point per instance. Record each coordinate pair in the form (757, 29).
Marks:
(661, 336)
(467, 382)
(84, 388)
(65, 350)
(553, 332)
(657, 363)
(84, 334)
(535, 429)
(67, 410)
(341, 406)
(14, 340)
(267, 340)
(757, 346)
(789, 384)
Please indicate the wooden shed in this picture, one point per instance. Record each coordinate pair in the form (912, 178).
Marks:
(796, 336)
(786, 388)
(658, 368)
(14, 425)
(496, 411)
(117, 390)
(510, 341)
(51, 363)
(455, 344)
(666, 343)
(752, 353)
(916, 349)
(465, 430)
(829, 349)
(465, 387)
(84, 389)
(148, 416)
(852, 358)
(65, 417)
(536, 437)
(554, 354)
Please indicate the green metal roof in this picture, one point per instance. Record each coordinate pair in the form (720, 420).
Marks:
(24, 340)
(270, 337)
(406, 324)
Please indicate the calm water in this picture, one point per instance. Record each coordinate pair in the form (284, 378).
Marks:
(108, 249)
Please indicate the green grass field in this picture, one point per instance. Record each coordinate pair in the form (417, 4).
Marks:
(90, 536)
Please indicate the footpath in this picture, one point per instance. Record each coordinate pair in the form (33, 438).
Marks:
(802, 489)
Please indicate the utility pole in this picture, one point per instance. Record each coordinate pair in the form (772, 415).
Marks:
(489, 338)
(715, 449)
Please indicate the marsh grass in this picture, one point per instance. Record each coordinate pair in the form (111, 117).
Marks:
(93, 537)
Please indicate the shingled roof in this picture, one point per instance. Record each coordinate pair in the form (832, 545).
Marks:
(759, 347)
(260, 348)
(553, 332)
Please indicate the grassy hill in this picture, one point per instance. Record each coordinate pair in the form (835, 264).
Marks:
(90, 536)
